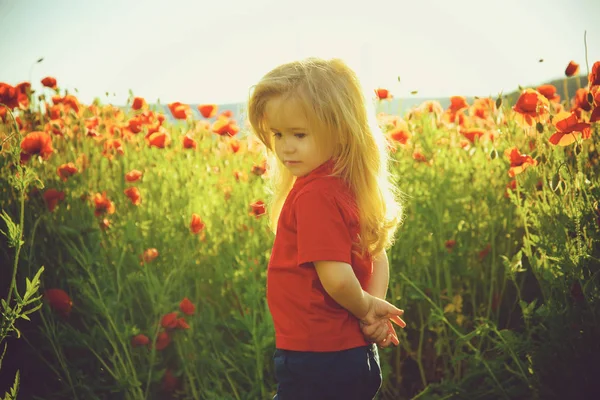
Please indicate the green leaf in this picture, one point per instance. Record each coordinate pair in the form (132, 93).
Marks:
(14, 232)
(34, 309)
(4, 305)
(554, 182)
(12, 395)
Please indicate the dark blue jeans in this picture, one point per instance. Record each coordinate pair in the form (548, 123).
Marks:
(352, 374)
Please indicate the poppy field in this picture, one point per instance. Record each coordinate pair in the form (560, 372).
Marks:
(134, 248)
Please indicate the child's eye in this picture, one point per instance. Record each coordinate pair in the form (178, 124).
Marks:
(300, 135)
(277, 134)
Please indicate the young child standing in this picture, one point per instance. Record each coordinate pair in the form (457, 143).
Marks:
(334, 212)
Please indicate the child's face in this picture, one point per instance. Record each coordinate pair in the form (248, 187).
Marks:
(297, 148)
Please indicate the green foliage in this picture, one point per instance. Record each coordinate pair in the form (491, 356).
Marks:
(29, 302)
(489, 275)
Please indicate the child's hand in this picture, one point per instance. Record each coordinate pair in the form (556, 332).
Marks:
(376, 325)
(382, 333)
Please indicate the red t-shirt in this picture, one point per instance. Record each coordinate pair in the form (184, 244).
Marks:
(318, 222)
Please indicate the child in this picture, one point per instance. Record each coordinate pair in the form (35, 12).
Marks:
(333, 208)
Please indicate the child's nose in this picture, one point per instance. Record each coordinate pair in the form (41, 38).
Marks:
(288, 146)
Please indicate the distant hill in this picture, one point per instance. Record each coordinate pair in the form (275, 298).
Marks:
(397, 106)
(400, 106)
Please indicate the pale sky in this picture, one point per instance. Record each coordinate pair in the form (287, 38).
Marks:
(213, 51)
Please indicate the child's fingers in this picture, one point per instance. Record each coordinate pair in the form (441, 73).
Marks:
(398, 321)
(392, 334)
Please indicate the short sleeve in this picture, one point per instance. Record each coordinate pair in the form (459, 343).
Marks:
(322, 232)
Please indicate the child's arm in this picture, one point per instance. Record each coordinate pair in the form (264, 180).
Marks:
(378, 285)
(382, 332)
(341, 284)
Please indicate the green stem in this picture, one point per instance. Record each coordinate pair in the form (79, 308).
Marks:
(420, 348)
(19, 241)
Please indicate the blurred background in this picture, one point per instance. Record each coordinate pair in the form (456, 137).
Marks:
(213, 51)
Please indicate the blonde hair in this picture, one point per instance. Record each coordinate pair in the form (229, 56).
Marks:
(332, 98)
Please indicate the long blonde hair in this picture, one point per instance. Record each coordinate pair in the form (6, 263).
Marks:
(335, 106)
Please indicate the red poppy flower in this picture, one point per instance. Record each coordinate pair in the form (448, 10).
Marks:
(55, 126)
(138, 103)
(418, 156)
(225, 126)
(226, 114)
(399, 135)
(162, 341)
(595, 91)
(208, 110)
(103, 205)
(259, 170)
(112, 147)
(567, 124)
(69, 101)
(196, 225)
(140, 340)
(135, 125)
(482, 107)
(594, 76)
(472, 133)
(449, 244)
(383, 94)
(549, 92)
(49, 82)
(169, 382)
(457, 117)
(182, 323)
(36, 143)
(518, 162)
(179, 110)
(234, 146)
(66, 170)
(133, 175)
(189, 142)
(134, 195)
(187, 307)
(59, 301)
(240, 175)
(159, 139)
(457, 103)
(9, 95)
(483, 253)
(595, 117)
(149, 255)
(258, 208)
(169, 321)
(23, 90)
(531, 107)
(52, 197)
(572, 69)
(580, 101)
(91, 123)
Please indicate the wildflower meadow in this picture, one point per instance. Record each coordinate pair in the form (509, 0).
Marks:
(134, 248)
